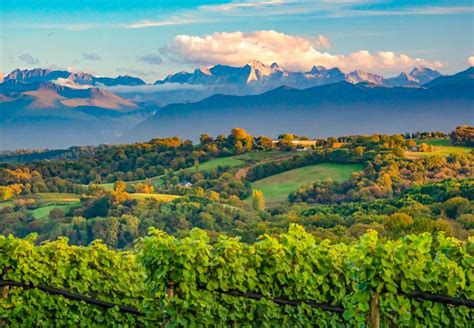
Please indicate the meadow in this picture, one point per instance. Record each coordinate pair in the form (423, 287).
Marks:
(443, 147)
(276, 188)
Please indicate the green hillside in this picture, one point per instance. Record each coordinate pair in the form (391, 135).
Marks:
(276, 188)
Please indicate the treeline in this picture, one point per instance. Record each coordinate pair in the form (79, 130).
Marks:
(117, 219)
(463, 135)
(446, 206)
(108, 164)
(30, 155)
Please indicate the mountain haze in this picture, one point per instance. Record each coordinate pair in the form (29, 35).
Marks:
(322, 110)
(44, 108)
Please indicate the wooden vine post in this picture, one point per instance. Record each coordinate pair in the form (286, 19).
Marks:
(4, 294)
(169, 294)
(374, 318)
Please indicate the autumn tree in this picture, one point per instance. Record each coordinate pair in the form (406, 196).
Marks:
(397, 222)
(258, 200)
(6, 193)
(119, 195)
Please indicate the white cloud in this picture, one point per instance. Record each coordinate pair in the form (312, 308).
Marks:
(470, 61)
(28, 59)
(90, 56)
(234, 5)
(165, 22)
(151, 59)
(291, 52)
(70, 84)
(150, 88)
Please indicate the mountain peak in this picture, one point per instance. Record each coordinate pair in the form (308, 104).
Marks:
(275, 66)
(259, 69)
(316, 69)
(424, 74)
(255, 63)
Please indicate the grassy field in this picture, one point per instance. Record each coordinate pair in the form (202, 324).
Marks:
(58, 197)
(443, 148)
(73, 200)
(214, 163)
(434, 142)
(264, 155)
(43, 211)
(155, 181)
(205, 167)
(232, 161)
(159, 197)
(276, 188)
(5, 204)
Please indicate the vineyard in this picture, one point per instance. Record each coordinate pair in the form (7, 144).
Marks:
(287, 281)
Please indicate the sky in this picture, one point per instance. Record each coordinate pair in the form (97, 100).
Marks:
(151, 39)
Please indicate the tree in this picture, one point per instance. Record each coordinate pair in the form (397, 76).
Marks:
(359, 151)
(119, 195)
(455, 206)
(396, 222)
(56, 214)
(258, 200)
(144, 188)
(5, 193)
(206, 221)
(265, 143)
(239, 133)
(239, 148)
(463, 135)
(424, 148)
(205, 139)
(411, 143)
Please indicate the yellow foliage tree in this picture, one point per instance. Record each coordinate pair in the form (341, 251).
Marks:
(258, 200)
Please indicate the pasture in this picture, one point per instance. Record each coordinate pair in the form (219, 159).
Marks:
(443, 147)
(276, 188)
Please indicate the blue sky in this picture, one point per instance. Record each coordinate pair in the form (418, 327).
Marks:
(151, 39)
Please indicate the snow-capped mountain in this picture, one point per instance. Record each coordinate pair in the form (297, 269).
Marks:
(257, 77)
(416, 78)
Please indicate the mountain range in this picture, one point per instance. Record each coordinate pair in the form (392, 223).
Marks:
(338, 108)
(54, 108)
(259, 76)
(250, 79)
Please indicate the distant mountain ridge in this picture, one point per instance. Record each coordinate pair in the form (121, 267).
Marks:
(250, 79)
(262, 77)
(325, 110)
(36, 112)
(49, 95)
(47, 75)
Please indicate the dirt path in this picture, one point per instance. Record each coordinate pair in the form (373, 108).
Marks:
(242, 173)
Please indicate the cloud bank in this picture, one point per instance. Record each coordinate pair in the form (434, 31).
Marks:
(149, 88)
(470, 61)
(71, 84)
(289, 51)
